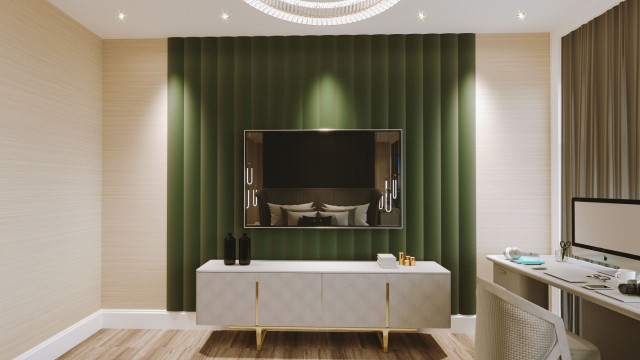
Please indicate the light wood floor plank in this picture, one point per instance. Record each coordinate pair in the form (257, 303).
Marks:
(127, 344)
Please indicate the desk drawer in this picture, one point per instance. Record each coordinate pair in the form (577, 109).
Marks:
(530, 289)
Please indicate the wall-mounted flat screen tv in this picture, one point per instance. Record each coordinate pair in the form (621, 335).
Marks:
(323, 179)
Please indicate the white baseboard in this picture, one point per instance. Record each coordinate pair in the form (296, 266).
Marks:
(460, 324)
(66, 339)
(152, 319)
(157, 319)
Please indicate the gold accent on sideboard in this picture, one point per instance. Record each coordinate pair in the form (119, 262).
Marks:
(383, 333)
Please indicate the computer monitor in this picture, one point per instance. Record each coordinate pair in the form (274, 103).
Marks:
(609, 229)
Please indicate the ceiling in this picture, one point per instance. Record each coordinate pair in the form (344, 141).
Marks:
(182, 18)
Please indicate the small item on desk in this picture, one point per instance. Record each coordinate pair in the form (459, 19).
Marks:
(599, 277)
(597, 287)
(400, 258)
(514, 253)
(624, 275)
(562, 253)
(528, 261)
(630, 288)
(412, 261)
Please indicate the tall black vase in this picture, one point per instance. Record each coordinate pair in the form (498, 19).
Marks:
(229, 250)
(244, 247)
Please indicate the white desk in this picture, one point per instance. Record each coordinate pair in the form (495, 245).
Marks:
(610, 324)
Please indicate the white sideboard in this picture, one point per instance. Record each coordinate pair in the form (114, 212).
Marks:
(323, 295)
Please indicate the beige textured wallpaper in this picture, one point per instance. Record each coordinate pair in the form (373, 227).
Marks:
(50, 173)
(512, 143)
(134, 209)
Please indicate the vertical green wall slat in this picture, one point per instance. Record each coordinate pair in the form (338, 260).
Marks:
(450, 165)
(398, 118)
(175, 171)
(258, 103)
(362, 119)
(225, 183)
(467, 136)
(275, 119)
(379, 114)
(191, 169)
(242, 120)
(423, 84)
(432, 148)
(208, 142)
(413, 157)
(310, 95)
(293, 120)
(344, 71)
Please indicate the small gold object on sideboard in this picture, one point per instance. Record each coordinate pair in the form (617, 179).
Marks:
(407, 262)
(401, 258)
(412, 261)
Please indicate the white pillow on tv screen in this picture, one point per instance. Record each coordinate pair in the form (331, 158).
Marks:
(294, 217)
(337, 218)
(361, 212)
(276, 211)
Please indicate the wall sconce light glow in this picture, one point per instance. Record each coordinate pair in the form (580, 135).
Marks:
(121, 16)
(224, 16)
(521, 15)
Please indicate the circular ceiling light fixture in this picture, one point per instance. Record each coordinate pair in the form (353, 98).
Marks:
(322, 12)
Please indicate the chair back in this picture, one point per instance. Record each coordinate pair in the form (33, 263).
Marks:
(509, 327)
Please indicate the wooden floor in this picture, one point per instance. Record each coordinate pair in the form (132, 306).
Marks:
(206, 344)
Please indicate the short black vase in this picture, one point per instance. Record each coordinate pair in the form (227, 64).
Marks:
(244, 249)
(229, 250)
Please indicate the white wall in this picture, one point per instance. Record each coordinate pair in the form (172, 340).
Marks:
(134, 208)
(50, 173)
(512, 144)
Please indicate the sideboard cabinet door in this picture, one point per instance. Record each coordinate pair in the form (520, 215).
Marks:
(225, 299)
(290, 299)
(354, 300)
(419, 301)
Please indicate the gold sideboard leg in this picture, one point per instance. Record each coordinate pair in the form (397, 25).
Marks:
(384, 340)
(260, 334)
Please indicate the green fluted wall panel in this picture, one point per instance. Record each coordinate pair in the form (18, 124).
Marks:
(175, 175)
(467, 146)
(423, 84)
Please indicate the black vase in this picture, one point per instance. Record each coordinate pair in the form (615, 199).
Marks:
(229, 250)
(244, 249)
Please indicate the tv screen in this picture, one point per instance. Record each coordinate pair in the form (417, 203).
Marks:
(306, 159)
(323, 178)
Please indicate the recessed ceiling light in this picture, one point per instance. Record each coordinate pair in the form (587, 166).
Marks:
(121, 16)
(421, 15)
(521, 15)
(224, 16)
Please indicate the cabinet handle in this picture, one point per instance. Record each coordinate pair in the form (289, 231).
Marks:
(387, 304)
(257, 303)
(501, 270)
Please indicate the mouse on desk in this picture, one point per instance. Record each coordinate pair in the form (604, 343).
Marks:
(539, 268)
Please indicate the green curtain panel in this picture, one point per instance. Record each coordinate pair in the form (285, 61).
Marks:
(600, 114)
(423, 84)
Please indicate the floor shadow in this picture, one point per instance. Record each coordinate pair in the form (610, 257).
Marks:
(320, 345)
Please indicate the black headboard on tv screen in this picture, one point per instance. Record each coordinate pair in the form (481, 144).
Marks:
(311, 159)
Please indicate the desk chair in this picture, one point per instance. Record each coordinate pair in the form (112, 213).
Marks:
(509, 327)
